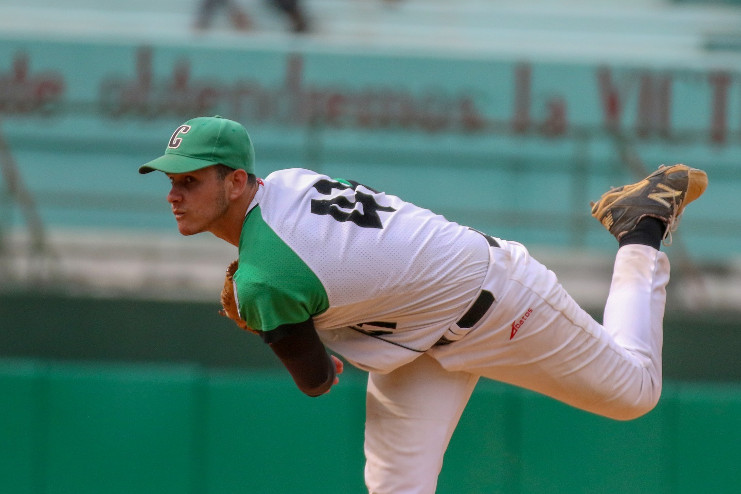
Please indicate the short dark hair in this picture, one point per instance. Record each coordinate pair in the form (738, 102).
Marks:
(222, 171)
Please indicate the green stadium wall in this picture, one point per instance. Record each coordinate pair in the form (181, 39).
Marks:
(120, 396)
(102, 428)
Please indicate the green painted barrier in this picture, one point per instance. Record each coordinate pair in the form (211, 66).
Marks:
(102, 428)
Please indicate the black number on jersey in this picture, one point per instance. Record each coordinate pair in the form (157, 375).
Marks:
(343, 209)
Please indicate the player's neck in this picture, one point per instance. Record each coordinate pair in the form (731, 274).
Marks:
(229, 226)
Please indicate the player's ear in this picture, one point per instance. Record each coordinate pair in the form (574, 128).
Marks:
(237, 182)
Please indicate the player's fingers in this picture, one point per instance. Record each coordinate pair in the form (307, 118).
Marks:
(338, 364)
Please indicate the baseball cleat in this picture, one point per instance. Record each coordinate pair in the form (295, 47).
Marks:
(663, 195)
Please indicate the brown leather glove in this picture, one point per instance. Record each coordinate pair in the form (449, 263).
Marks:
(229, 301)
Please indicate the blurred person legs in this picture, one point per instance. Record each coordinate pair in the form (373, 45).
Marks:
(294, 12)
(208, 8)
(239, 19)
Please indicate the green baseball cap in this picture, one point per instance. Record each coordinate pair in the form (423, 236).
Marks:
(205, 141)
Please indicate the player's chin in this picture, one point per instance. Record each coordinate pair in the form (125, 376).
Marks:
(187, 229)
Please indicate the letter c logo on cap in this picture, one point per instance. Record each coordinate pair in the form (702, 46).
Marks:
(175, 140)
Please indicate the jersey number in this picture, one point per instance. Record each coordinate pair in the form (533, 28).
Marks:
(343, 209)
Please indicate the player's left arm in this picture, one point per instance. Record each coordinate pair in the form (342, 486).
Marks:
(297, 345)
(302, 353)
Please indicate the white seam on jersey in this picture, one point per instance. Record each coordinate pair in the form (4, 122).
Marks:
(236, 298)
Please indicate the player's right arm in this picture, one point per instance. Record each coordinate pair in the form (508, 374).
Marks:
(302, 353)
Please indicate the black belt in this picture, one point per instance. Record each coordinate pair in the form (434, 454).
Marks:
(480, 306)
(491, 240)
(473, 315)
(477, 310)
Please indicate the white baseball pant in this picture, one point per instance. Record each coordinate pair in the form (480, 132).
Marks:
(534, 336)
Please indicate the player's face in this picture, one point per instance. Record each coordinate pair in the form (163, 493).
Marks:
(198, 199)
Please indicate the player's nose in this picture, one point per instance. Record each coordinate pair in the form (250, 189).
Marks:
(174, 196)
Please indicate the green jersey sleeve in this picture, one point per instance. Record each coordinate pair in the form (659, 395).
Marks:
(274, 286)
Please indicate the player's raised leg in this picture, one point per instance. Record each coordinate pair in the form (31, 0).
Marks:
(540, 339)
(641, 216)
(411, 415)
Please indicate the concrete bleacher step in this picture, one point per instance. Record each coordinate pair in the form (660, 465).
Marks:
(170, 267)
(610, 28)
(118, 263)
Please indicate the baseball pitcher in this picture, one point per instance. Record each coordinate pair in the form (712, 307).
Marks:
(425, 305)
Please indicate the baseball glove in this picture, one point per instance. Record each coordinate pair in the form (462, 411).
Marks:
(229, 301)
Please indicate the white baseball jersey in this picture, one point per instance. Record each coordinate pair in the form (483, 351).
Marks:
(382, 278)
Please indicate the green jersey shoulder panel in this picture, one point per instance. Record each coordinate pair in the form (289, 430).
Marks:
(273, 284)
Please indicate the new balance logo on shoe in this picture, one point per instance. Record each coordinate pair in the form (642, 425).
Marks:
(661, 197)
